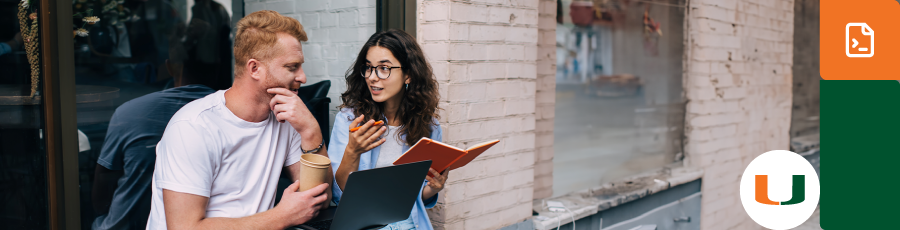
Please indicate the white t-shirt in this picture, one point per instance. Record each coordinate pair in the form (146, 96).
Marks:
(391, 149)
(206, 150)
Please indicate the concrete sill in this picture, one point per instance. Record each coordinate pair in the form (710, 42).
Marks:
(587, 202)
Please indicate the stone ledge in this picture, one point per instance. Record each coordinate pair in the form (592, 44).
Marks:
(587, 202)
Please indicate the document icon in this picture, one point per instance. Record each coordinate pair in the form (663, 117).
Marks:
(859, 40)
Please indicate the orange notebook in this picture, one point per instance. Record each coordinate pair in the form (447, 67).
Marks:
(442, 156)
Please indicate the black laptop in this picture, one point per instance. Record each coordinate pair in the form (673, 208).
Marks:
(374, 198)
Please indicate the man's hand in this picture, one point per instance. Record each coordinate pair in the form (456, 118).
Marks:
(289, 107)
(365, 138)
(302, 205)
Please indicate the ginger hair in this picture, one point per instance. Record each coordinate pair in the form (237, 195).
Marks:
(257, 36)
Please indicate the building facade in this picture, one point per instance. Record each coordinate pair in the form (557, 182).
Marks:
(628, 112)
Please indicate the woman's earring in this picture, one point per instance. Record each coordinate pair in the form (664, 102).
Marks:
(407, 86)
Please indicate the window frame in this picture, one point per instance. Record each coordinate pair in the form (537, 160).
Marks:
(59, 104)
(396, 14)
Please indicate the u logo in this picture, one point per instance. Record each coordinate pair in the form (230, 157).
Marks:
(804, 189)
(798, 190)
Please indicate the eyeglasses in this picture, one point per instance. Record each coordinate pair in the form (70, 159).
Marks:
(382, 71)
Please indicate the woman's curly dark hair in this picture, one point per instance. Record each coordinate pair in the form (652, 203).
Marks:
(419, 105)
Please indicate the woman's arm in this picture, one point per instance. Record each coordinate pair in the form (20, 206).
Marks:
(358, 142)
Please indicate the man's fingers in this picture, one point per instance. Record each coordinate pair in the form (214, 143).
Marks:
(272, 104)
(278, 100)
(281, 99)
(281, 117)
(293, 187)
(318, 190)
(281, 91)
(280, 108)
(319, 200)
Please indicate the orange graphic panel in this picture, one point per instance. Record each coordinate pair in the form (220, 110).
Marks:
(858, 40)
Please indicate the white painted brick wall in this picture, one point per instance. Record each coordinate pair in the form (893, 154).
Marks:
(337, 29)
(485, 54)
(738, 84)
(544, 103)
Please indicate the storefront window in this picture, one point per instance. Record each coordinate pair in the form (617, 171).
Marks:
(619, 108)
(136, 63)
(23, 156)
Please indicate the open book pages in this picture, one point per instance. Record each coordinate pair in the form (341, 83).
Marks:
(436, 142)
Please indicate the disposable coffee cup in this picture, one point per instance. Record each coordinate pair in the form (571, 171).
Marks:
(313, 171)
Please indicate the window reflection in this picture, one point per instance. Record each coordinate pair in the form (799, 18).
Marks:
(619, 109)
(135, 67)
(23, 161)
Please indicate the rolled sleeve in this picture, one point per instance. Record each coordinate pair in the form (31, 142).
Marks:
(430, 202)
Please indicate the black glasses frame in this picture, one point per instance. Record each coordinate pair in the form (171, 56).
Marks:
(369, 68)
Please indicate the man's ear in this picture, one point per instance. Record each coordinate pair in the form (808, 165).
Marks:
(254, 69)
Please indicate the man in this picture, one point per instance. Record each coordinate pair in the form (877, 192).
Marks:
(219, 160)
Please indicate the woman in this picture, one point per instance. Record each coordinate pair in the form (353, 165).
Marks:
(389, 82)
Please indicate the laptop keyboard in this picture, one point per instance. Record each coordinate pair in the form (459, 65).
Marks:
(317, 225)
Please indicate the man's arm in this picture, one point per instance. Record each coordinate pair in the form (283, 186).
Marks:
(188, 211)
(104, 187)
(310, 139)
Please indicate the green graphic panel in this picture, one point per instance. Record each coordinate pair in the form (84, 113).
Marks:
(860, 154)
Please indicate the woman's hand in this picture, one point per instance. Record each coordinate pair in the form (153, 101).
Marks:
(365, 138)
(435, 184)
(362, 140)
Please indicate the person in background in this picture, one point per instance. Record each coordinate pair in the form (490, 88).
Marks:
(11, 45)
(391, 82)
(214, 51)
(220, 157)
(121, 190)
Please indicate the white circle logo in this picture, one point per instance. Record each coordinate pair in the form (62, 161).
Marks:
(780, 190)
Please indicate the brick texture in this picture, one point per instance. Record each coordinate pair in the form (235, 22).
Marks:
(738, 84)
(337, 29)
(544, 110)
(484, 54)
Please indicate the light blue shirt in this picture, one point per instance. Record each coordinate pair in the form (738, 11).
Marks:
(339, 136)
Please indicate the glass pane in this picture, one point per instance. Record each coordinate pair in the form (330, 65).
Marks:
(136, 64)
(23, 157)
(619, 109)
